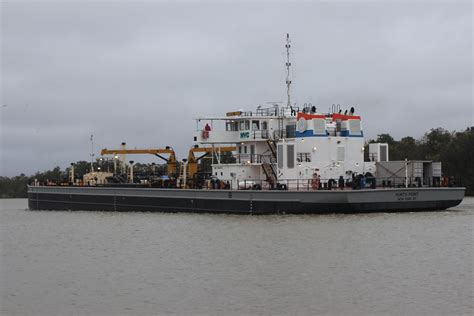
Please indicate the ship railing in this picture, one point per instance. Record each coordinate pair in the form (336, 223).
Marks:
(269, 159)
(283, 133)
(358, 183)
(418, 182)
(270, 111)
(279, 134)
(287, 184)
(274, 111)
(246, 113)
(259, 134)
(251, 158)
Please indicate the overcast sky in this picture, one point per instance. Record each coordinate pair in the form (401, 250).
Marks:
(141, 71)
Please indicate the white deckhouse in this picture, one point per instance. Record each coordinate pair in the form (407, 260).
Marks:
(285, 144)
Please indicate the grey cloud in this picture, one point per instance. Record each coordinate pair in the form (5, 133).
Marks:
(140, 72)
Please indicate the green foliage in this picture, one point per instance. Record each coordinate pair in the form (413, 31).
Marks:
(455, 150)
(458, 157)
(384, 138)
(55, 175)
(82, 167)
(14, 187)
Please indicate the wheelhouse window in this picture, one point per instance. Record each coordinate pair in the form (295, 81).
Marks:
(231, 126)
(255, 125)
(244, 125)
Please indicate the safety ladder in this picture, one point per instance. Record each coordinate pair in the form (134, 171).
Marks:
(271, 144)
(269, 171)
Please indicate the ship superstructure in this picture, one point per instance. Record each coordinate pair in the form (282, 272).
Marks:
(277, 144)
(286, 144)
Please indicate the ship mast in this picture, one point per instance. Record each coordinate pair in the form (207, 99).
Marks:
(288, 64)
(92, 153)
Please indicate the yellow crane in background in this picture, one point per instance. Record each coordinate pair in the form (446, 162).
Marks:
(191, 165)
(170, 161)
(188, 169)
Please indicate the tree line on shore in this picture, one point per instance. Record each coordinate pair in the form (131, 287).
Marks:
(454, 149)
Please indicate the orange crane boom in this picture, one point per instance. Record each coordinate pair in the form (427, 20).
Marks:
(192, 167)
(152, 151)
(170, 162)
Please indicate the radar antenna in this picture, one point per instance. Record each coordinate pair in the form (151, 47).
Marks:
(288, 64)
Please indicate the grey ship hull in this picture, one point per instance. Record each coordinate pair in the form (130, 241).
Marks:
(242, 201)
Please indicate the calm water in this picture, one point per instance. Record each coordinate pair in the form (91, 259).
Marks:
(98, 263)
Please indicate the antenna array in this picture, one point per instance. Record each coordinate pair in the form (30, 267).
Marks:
(288, 64)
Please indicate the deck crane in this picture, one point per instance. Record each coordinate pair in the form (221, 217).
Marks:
(191, 165)
(170, 161)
